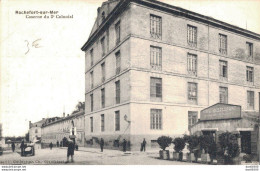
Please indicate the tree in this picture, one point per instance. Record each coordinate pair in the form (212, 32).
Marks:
(79, 106)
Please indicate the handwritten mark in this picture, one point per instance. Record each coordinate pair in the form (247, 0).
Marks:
(35, 44)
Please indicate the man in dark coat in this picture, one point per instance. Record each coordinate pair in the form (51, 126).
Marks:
(70, 151)
(58, 143)
(22, 146)
(144, 144)
(51, 145)
(124, 145)
(101, 144)
(13, 146)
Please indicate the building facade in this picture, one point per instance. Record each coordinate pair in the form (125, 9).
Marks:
(152, 67)
(35, 130)
(56, 129)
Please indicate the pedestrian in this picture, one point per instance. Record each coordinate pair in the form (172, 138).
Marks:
(58, 144)
(51, 145)
(22, 146)
(101, 144)
(13, 146)
(124, 145)
(70, 151)
(143, 144)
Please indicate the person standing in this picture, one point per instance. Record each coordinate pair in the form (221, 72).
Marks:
(51, 145)
(124, 145)
(143, 144)
(101, 144)
(70, 151)
(58, 144)
(13, 146)
(22, 146)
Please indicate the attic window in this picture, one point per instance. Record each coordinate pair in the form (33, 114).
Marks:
(103, 16)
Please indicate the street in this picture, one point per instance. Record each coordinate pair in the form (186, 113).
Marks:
(86, 156)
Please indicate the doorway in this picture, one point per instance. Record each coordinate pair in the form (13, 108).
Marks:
(245, 142)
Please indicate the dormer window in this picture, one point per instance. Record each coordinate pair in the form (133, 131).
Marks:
(103, 16)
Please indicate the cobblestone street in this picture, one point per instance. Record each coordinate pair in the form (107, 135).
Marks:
(87, 156)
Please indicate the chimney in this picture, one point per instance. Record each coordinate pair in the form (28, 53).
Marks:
(63, 114)
(30, 124)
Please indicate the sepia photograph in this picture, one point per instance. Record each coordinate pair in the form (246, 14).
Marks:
(129, 82)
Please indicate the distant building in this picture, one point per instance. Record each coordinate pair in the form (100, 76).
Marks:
(152, 67)
(35, 130)
(56, 130)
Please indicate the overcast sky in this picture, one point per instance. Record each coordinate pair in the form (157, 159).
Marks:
(44, 81)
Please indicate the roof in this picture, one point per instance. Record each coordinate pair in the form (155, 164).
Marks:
(170, 9)
(82, 112)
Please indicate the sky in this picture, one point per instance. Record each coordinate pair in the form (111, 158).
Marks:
(42, 66)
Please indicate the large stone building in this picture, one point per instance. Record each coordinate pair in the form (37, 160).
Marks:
(152, 67)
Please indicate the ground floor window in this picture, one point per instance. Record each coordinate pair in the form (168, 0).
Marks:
(192, 118)
(156, 119)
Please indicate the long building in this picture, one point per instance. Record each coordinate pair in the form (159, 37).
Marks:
(55, 129)
(152, 67)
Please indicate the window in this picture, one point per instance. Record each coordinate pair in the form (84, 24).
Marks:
(117, 120)
(91, 57)
(156, 27)
(156, 89)
(117, 28)
(223, 95)
(192, 36)
(91, 79)
(118, 62)
(156, 119)
(249, 50)
(102, 123)
(91, 102)
(192, 118)
(91, 124)
(103, 47)
(117, 92)
(192, 93)
(250, 100)
(249, 74)
(192, 64)
(103, 97)
(103, 71)
(156, 57)
(223, 69)
(223, 44)
(103, 16)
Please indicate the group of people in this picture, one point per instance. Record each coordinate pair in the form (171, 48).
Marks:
(124, 144)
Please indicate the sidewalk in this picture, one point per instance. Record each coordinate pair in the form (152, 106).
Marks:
(114, 152)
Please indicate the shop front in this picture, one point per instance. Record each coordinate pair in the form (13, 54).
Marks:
(220, 118)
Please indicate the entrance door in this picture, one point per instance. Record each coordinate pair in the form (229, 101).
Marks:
(245, 142)
(212, 133)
